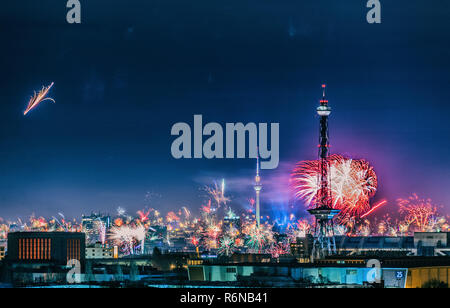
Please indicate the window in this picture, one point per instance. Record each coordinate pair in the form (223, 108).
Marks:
(231, 270)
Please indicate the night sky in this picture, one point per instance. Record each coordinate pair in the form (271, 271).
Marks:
(132, 69)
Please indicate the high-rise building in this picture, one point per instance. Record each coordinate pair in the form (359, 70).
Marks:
(95, 226)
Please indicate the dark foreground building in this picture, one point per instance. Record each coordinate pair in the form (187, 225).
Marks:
(46, 247)
(43, 257)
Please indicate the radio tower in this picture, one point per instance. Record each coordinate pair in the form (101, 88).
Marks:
(257, 188)
(324, 242)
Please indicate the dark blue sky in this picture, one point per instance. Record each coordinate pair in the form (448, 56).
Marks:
(134, 68)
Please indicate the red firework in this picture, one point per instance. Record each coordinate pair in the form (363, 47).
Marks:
(207, 208)
(171, 217)
(419, 212)
(352, 183)
(194, 241)
(143, 215)
(276, 250)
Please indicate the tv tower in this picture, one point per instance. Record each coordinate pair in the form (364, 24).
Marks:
(257, 188)
(324, 242)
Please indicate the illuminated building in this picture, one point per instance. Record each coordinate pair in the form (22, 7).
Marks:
(46, 247)
(43, 257)
(2, 252)
(302, 248)
(98, 251)
(95, 226)
(409, 272)
(231, 220)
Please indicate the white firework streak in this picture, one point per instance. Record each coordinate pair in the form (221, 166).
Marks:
(353, 182)
(126, 235)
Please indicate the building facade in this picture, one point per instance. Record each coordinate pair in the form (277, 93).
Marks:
(99, 251)
(46, 247)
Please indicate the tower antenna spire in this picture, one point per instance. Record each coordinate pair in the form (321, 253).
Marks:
(257, 161)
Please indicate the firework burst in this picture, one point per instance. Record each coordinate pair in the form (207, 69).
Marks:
(143, 215)
(120, 211)
(353, 183)
(227, 246)
(217, 193)
(128, 237)
(259, 238)
(418, 212)
(172, 217)
(38, 98)
(278, 249)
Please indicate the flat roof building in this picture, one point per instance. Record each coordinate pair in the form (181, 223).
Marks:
(46, 247)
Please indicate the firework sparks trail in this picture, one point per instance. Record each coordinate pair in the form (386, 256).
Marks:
(101, 231)
(233, 232)
(419, 212)
(172, 217)
(210, 243)
(251, 203)
(217, 194)
(226, 246)
(207, 208)
(143, 215)
(299, 229)
(213, 231)
(353, 183)
(379, 204)
(258, 238)
(40, 223)
(126, 236)
(120, 211)
(123, 238)
(118, 222)
(62, 225)
(223, 187)
(194, 241)
(38, 98)
(278, 249)
(186, 212)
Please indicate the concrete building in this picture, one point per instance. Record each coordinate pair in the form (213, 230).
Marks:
(43, 257)
(432, 243)
(407, 272)
(95, 226)
(421, 244)
(46, 247)
(99, 251)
